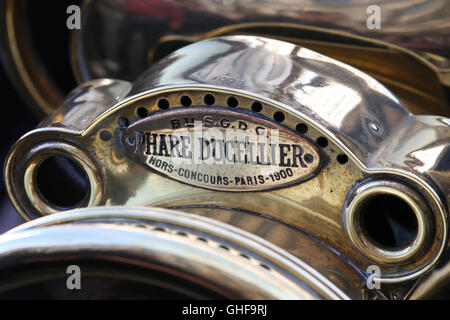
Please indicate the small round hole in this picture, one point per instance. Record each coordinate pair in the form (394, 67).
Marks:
(105, 135)
(244, 256)
(232, 102)
(257, 106)
(159, 229)
(278, 116)
(309, 158)
(224, 247)
(183, 234)
(264, 266)
(301, 128)
(142, 112)
(163, 104)
(61, 182)
(209, 99)
(388, 221)
(202, 239)
(185, 101)
(342, 158)
(123, 122)
(322, 142)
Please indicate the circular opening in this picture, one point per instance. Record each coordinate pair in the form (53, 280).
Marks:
(322, 142)
(163, 104)
(105, 135)
(301, 128)
(232, 102)
(278, 116)
(342, 159)
(185, 101)
(142, 112)
(61, 182)
(209, 99)
(257, 106)
(388, 222)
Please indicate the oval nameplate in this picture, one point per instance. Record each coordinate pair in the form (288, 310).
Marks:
(219, 149)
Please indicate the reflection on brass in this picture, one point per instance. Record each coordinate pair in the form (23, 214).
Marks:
(409, 53)
(200, 251)
(414, 80)
(438, 280)
(337, 140)
(421, 26)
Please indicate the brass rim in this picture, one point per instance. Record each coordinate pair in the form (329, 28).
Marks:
(363, 242)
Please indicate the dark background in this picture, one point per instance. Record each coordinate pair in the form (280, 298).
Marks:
(51, 38)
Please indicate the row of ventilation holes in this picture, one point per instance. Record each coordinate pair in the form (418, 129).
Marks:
(222, 246)
(232, 102)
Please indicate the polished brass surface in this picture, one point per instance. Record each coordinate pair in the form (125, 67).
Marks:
(408, 54)
(360, 133)
(414, 80)
(279, 172)
(421, 26)
(322, 258)
(199, 250)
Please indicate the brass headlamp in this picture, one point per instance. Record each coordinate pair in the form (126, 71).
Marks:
(281, 172)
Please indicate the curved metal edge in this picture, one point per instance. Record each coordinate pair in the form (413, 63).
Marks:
(254, 244)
